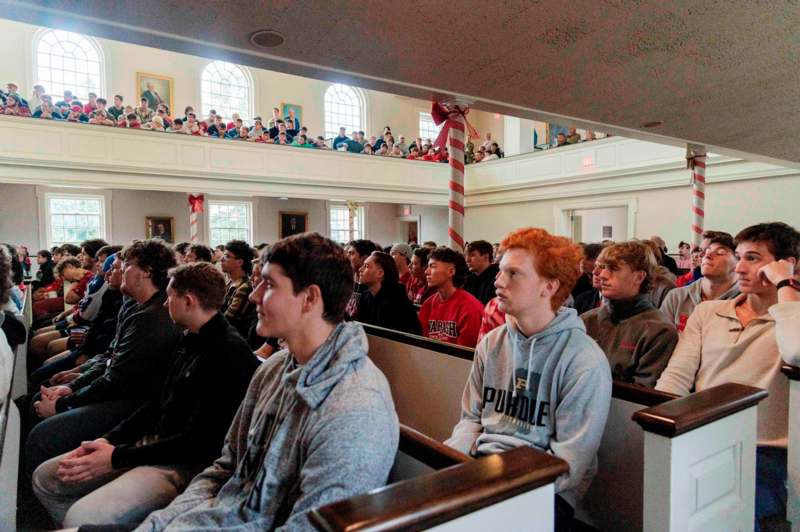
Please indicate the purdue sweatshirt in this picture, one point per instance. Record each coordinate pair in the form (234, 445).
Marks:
(550, 391)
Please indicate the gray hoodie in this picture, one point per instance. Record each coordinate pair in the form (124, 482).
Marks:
(303, 437)
(551, 391)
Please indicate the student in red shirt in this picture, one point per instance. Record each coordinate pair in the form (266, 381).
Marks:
(417, 288)
(452, 314)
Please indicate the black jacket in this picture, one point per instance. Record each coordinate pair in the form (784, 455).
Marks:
(584, 284)
(140, 354)
(482, 286)
(587, 301)
(103, 328)
(389, 308)
(187, 424)
(669, 263)
(13, 328)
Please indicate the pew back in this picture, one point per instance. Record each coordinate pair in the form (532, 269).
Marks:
(431, 375)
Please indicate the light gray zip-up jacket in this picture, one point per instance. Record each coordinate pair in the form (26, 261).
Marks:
(304, 436)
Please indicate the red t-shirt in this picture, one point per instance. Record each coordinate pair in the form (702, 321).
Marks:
(493, 317)
(456, 321)
(80, 288)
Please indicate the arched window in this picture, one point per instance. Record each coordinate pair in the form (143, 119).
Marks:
(226, 88)
(69, 61)
(344, 107)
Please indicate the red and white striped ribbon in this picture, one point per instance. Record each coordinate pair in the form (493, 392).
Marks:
(193, 227)
(455, 141)
(698, 198)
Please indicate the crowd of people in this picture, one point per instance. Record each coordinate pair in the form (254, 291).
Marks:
(169, 354)
(148, 114)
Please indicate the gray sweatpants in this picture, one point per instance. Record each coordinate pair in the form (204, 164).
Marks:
(122, 496)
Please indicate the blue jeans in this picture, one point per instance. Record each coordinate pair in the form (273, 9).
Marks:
(65, 431)
(43, 374)
(770, 483)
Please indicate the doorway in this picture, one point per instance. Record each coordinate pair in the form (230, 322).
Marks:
(596, 220)
(408, 228)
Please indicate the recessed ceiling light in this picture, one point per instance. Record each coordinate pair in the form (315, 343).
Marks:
(283, 199)
(654, 123)
(266, 39)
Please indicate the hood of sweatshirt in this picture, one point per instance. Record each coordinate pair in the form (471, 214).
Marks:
(345, 347)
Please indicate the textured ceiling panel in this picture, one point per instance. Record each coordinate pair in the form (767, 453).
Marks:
(725, 73)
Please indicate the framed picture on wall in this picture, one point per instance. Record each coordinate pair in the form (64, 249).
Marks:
(292, 223)
(162, 227)
(156, 88)
(294, 112)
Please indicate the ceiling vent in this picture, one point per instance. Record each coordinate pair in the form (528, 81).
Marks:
(266, 39)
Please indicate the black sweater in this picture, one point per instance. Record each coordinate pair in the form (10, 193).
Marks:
(187, 424)
(482, 285)
(389, 308)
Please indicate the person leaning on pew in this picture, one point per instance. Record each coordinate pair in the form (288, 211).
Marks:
(735, 341)
(538, 380)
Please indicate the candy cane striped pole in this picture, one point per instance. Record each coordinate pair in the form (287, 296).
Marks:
(698, 197)
(455, 140)
(193, 226)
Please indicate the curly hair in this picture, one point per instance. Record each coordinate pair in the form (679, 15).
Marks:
(451, 256)
(555, 257)
(5, 276)
(638, 255)
(153, 256)
(312, 259)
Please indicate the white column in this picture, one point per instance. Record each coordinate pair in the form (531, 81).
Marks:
(517, 135)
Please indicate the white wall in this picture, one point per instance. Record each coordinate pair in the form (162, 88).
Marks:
(730, 207)
(593, 220)
(124, 60)
(19, 215)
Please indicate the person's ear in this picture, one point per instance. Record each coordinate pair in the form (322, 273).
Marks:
(639, 276)
(551, 286)
(313, 297)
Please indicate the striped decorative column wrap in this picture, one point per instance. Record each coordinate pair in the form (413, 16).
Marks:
(455, 141)
(698, 198)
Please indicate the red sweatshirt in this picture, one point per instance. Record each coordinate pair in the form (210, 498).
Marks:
(456, 320)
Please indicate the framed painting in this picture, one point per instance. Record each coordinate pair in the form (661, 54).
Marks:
(156, 89)
(162, 227)
(292, 111)
(292, 223)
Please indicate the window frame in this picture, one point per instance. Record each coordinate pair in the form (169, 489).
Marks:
(105, 233)
(362, 105)
(250, 218)
(94, 43)
(247, 114)
(361, 214)
(437, 129)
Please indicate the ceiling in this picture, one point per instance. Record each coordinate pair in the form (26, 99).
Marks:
(724, 73)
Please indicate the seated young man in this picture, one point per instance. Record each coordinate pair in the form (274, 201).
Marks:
(237, 263)
(551, 376)
(357, 252)
(635, 336)
(718, 281)
(384, 302)
(451, 314)
(734, 341)
(133, 369)
(111, 479)
(482, 270)
(417, 288)
(317, 423)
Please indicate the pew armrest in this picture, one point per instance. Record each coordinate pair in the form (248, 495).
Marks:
(442, 496)
(642, 395)
(792, 372)
(430, 452)
(681, 415)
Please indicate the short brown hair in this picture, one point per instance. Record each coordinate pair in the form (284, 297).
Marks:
(638, 256)
(719, 237)
(782, 240)
(202, 280)
(310, 258)
(153, 256)
(68, 262)
(557, 258)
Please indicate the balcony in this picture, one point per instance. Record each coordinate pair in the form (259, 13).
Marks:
(67, 154)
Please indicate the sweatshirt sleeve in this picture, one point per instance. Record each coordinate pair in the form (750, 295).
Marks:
(679, 375)
(469, 325)
(466, 432)
(655, 355)
(424, 312)
(580, 419)
(787, 330)
(337, 467)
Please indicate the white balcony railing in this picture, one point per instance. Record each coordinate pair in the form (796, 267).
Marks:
(44, 152)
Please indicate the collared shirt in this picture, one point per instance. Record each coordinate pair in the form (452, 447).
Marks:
(679, 303)
(715, 349)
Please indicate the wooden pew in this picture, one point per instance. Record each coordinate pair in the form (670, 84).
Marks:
(447, 490)
(793, 454)
(9, 455)
(629, 492)
(19, 384)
